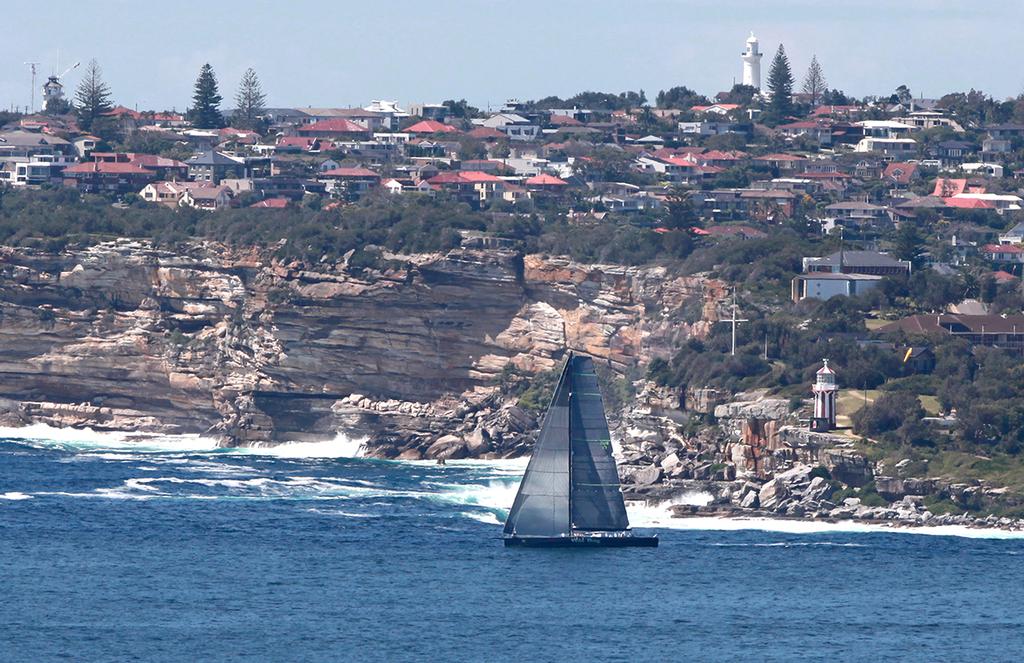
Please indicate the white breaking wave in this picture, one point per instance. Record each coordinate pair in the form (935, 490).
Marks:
(495, 494)
(342, 446)
(15, 496)
(86, 439)
(659, 517)
(485, 517)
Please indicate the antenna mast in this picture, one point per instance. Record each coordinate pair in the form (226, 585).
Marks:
(32, 66)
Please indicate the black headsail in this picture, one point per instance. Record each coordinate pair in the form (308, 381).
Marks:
(596, 500)
(571, 482)
(541, 508)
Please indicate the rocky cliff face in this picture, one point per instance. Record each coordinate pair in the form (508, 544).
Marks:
(206, 340)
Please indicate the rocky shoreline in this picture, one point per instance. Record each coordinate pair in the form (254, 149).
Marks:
(796, 495)
(252, 351)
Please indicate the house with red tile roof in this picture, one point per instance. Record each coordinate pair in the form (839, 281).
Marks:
(1004, 253)
(947, 187)
(349, 182)
(338, 127)
(715, 109)
(107, 177)
(271, 203)
(431, 127)
(900, 174)
(169, 193)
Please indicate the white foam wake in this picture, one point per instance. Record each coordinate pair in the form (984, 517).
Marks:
(15, 496)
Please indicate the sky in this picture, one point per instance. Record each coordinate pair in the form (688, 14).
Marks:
(343, 53)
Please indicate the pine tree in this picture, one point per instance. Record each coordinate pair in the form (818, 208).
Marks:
(780, 86)
(250, 101)
(205, 111)
(815, 84)
(92, 98)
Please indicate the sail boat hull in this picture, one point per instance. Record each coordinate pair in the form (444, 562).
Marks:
(582, 540)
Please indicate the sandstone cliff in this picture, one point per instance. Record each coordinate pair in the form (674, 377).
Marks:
(207, 340)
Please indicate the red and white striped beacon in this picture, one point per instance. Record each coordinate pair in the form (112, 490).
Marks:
(824, 389)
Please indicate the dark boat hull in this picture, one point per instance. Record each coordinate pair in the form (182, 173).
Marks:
(582, 541)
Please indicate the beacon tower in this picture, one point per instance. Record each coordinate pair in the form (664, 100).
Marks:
(752, 63)
(824, 389)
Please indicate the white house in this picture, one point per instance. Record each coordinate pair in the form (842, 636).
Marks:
(898, 146)
(513, 125)
(825, 285)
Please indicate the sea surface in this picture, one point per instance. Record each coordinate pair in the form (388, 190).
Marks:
(114, 549)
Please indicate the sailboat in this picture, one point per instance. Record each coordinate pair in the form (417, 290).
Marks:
(570, 494)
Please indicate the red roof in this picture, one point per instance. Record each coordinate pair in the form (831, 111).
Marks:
(337, 125)
(432, 127)
(108, 167)
(1003, 276)
(301, 142)
(564, 121)
(545, 180)
(900, 173)
(1002, 248)
(447, 178)
(680, 161)
(969, 203)
(947, 186)
(271, 203)
(477, 176)
(827, 110)
(349, 172)
(483, 133)
(121, 111)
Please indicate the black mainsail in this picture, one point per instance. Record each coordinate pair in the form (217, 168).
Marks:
(570, 492)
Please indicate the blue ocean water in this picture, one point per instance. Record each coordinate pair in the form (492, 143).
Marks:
(118, 553)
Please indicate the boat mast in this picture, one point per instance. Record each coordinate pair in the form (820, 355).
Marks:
(572, 395)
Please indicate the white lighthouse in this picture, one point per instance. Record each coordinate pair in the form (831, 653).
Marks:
(752, 63)
(824, 389)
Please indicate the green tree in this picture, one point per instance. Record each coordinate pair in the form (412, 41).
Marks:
(205, 111)
(739, 94)
(908, 243)
(461, 109)
(815, 84)
(780, 86)
(680, 97)
(250, 102)
(92, 98)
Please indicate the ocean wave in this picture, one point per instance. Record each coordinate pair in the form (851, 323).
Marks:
(342, 446)
(43, 436)
(659, 517)
(789, 544)
(485, 517)
(496, 494)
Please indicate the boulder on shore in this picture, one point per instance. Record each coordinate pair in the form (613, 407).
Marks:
(772, 494)
(447, 447)
(647, 476)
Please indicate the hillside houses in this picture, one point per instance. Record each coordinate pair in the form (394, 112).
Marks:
(859, 169)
